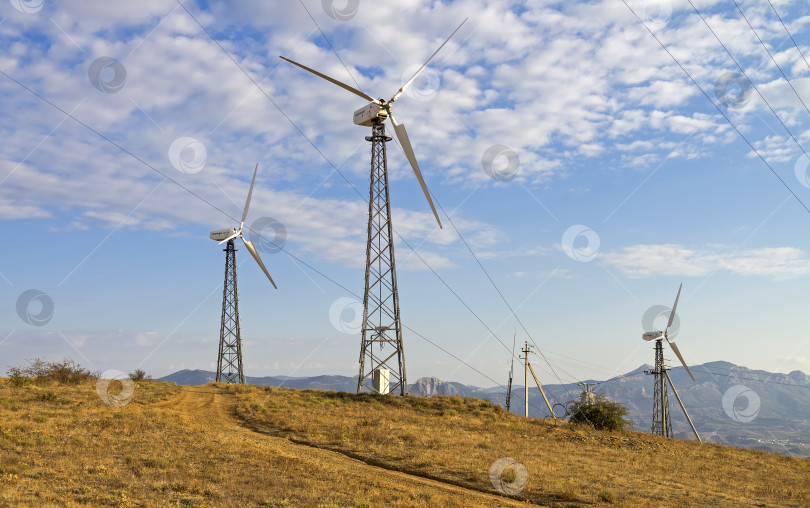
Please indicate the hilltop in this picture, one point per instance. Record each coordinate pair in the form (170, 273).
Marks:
(779, 421)
(220, 445)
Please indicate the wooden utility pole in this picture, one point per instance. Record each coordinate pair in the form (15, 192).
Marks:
(526, 368)
(526, 380)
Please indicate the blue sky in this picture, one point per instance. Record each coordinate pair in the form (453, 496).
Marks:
(622, 180)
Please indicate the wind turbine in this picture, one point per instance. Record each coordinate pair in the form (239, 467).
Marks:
(662, 425)
(229, 361)
(384, 372)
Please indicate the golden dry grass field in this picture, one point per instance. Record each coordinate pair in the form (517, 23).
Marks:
(220, 445)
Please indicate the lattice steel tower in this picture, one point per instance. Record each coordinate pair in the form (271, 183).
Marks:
(381, 346)
(229, 363)
(661, 424)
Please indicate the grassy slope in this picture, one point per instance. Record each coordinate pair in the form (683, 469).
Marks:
(459, 439)
(175, 446)
(199, 446)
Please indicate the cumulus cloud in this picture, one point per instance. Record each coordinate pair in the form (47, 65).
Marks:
(550, 81)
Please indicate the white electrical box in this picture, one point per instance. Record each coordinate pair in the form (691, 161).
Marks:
(381, 381)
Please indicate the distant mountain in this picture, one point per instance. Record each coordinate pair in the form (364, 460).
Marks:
(728, 403)
(201, 377)
(429, 386)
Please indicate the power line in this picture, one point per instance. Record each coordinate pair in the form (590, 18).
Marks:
(226, 214)
(360, 195)
(356, 190)
(772, 58)
(115, 144)
(789, 34)
(749, 79)
(733, 126)
(511, 310)
(331, 46)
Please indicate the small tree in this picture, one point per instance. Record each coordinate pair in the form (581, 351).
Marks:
(139, 375)
(601, 414)
(64, 371)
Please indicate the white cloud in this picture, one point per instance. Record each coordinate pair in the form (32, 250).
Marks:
(549, 81)
(639, 261)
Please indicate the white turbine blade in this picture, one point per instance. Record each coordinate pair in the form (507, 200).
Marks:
(229, 238)
(678, 354)
(332, 80)
(408, 83)
(255, 255)
(402, 136)
(250, 193)
(672, 314)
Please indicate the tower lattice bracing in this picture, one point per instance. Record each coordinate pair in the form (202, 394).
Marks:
(661, 424)
(381, 346)
(229, 363)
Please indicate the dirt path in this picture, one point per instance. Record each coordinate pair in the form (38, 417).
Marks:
(211, 408)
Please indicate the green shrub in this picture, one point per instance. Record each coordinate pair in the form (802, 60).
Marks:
(607, 496)
(48, 396)
(601, 414)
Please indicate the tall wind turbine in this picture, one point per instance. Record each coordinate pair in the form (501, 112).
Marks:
(229, 360)
(382, 370)
(662, 425)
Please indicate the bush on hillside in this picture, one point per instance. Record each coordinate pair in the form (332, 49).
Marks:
(139, 375)
(65, 371)
(601, 414)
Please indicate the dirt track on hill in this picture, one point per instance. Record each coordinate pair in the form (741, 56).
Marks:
(212, 409)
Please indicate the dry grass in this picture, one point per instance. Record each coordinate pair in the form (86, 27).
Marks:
(199, 446)
(62, 446)
(457, 440)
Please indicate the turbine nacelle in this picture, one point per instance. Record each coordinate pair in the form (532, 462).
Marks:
(650, 336)
(219, 235)
(370, 114)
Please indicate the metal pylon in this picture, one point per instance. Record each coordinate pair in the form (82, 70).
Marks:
(229, 363)
(381, 346)
(661, 424)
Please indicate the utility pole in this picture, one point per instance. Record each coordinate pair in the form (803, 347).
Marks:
(527, 367)
(511, 371)
(526, 380)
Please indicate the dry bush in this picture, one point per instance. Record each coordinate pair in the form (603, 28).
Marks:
(65, 371)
